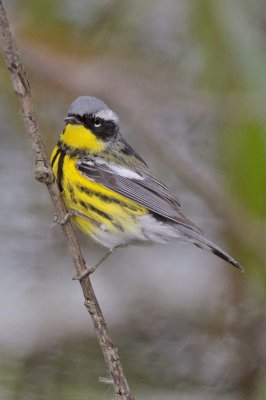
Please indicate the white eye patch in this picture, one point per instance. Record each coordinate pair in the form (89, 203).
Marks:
(107, 115)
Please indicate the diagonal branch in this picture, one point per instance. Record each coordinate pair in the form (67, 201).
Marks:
(43, 173)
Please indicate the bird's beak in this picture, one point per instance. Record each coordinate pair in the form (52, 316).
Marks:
(71, 119)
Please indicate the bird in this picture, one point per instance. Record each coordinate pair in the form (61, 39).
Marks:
(109, 190)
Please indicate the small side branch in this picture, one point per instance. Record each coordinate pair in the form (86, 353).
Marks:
(44, 174)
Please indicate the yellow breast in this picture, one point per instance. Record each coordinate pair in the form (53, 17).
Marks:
(94, 200)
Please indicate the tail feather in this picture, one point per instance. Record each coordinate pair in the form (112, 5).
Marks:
(204, 243)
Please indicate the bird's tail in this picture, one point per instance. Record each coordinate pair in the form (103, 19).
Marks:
(201, 241)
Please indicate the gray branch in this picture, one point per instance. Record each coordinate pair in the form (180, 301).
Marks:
(44, 174)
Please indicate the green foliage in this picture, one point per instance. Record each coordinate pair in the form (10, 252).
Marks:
(41, 12)
(245, 154)
(233, 71)
(218, 71)
(230, 60)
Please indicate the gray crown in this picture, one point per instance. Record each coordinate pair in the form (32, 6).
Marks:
(87, 105)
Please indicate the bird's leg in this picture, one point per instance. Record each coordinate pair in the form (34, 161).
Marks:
(74, 213)
(89, 271)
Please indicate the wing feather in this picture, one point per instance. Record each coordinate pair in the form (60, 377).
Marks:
(139, 186)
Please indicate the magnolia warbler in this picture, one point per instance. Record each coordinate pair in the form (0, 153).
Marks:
(108, 188)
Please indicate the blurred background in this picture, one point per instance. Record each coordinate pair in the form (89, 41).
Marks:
(188, 80)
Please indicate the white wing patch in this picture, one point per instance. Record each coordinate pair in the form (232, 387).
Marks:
(116, 169)
(125, 172)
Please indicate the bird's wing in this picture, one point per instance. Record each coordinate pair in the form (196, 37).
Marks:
(141, 187)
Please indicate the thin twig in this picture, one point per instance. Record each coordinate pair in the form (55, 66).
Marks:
(44, 174)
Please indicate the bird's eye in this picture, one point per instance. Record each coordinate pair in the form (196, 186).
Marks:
(97, 122)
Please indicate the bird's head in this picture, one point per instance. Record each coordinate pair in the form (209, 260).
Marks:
(90, 125)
